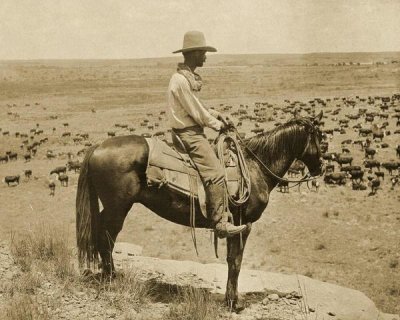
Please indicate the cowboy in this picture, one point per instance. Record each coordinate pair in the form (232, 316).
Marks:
(188, 118)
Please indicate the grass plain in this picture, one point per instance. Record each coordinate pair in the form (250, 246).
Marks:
(336, 235)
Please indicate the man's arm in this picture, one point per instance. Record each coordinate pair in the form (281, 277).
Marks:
(193, 106)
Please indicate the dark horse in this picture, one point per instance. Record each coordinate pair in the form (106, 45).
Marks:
(114, 171)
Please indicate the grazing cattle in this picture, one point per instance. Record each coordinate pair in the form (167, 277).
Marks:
(341, 160)
(364, 132)
(293, 172)
(59, 170)
(375, 184)
(391, 166)
(65, 124)
(350, 168)
(111, 133)
(63, 178)
(283, 186)
(345, 150)
(356, 175)
(11, 179)
(329, 156)
(52, 187)
(66, 134)
(50, 154)
(4, 159)
(27, 157)
(370, 163)
(358, 186)
(13, 156)
(28, 173)
(74, 165)
(398, 151)
(369, 153)
(338, 178)
(314, 185)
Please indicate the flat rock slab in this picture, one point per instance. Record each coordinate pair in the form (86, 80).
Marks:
(328, 300)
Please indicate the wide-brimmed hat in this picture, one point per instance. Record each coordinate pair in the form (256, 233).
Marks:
(195, 40)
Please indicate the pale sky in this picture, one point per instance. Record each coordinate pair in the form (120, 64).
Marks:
(126, 29)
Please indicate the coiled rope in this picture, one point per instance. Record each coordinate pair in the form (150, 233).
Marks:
(229, 139)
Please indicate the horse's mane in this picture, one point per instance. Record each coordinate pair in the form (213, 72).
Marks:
(281, 140)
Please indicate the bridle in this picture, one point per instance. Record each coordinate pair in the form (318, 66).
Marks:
(307, 176)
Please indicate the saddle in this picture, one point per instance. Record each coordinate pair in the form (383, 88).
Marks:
(170, 166)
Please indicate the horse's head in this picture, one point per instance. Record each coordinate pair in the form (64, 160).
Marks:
(311, 155)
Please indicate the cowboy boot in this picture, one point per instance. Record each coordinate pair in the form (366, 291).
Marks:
(218, 212)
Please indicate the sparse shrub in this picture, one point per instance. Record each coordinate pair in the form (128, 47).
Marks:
(24, 307)
(193, 304)
(45, 247)
(126, 289)
(325, 214)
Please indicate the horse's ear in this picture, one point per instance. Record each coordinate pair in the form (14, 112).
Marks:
(318, 118)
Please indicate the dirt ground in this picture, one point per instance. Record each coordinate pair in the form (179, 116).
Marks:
(336, 235)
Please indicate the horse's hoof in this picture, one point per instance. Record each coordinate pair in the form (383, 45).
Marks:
(238, 307)
(235, 306)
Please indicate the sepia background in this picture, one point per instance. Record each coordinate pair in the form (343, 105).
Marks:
(102, 68)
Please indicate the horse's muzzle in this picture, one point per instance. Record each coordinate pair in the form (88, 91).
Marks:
(320, 170)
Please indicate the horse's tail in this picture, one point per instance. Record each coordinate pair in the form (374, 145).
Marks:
(87, 215)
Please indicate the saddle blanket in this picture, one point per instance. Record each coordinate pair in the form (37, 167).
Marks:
(169, 168)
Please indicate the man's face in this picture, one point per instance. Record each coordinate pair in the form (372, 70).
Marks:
(200, 58)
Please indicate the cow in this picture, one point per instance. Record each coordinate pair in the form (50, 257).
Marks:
(358, 186)
(314, 185)
(391, 166)
(283, 186)
(371, 163)
(338, 178)
(12, 179)
(369, 153)
(375, 184)
(59, 170)
(73, 165)
(4, 159)
(63, 178)
(28, 173)
(12, 156)
(52, 187)
(356, 175)
(341, 160)
(27, 157)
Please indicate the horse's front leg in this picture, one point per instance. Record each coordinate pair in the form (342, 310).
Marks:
(234, 259)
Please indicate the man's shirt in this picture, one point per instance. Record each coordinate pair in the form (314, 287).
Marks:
(185, 109)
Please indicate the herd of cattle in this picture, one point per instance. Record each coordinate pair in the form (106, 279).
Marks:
(365, 123)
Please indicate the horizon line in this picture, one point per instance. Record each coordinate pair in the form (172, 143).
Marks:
(213, 54)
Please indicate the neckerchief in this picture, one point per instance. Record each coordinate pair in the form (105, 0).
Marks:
(193, 78)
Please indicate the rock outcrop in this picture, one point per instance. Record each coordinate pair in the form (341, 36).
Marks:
(322, 300)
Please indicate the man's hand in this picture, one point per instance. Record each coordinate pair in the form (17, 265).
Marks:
(228, 123)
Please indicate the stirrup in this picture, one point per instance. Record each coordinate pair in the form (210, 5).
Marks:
(227, 230)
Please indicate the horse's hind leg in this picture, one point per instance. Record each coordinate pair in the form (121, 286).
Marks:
(110, 224)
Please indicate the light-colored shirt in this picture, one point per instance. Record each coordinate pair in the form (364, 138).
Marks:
(185, 108)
